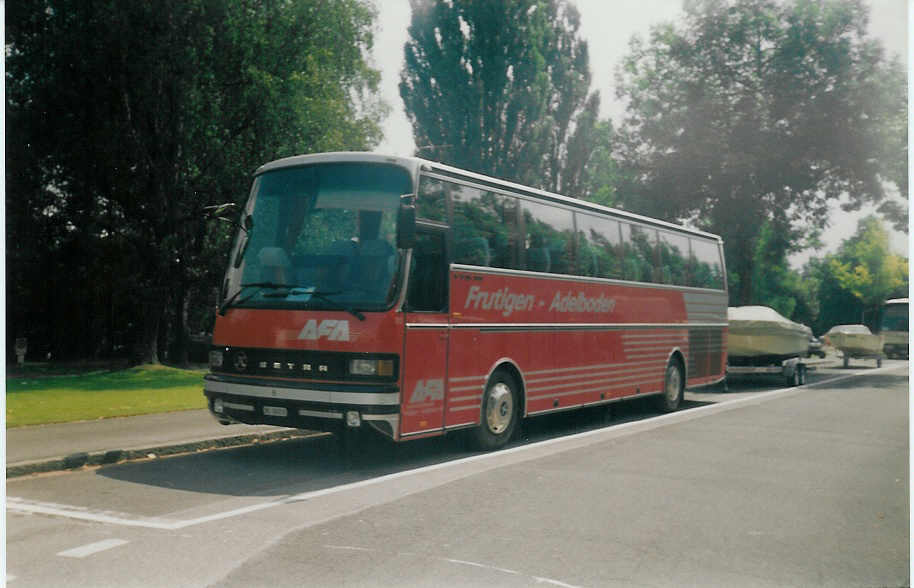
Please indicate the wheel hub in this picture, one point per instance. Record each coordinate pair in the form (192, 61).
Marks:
(673, 383)
(499, 408)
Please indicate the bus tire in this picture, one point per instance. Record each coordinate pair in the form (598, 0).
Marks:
(499, 415)
(673, 388)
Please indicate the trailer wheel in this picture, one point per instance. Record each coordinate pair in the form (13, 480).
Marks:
(499, 412)
(673, 387)
(879, 362)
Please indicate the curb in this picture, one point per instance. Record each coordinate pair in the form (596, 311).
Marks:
(112, 456)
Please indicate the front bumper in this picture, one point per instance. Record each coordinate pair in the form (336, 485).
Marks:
(302, 405)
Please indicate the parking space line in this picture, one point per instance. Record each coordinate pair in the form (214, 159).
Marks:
(15, 504)
(92, 548)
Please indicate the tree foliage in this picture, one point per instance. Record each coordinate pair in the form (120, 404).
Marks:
(866, 268)
(501, 87)
(853, 282)
(759, 113)
(126, 119)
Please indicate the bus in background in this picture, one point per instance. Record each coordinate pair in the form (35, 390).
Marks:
(417, 299)
(893, 324)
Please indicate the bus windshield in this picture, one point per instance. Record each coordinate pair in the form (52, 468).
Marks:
(895, 317)
(320, 236)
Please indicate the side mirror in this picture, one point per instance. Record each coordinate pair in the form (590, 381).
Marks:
(219, 210)
(406, 223)
(226, 213)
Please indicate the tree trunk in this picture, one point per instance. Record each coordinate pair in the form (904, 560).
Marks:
(147, 348)
(180, 347)
(744, 271)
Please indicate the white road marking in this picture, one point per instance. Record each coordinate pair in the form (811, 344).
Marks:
(22, 506)
(92, 548)
(463, 562)
(350, 548)
(479, 565)
(540, 580)
(484, 462)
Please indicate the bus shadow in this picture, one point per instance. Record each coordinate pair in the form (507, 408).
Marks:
(315, 463)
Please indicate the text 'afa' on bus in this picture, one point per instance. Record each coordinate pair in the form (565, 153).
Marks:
(416, 299)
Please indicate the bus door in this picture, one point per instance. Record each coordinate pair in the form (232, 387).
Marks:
(425, 349)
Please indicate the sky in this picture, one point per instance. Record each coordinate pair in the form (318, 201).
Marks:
(607, 26)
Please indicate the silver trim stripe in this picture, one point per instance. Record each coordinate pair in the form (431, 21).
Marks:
(706, 306)
(474, 406)
(466, 379)
(650, 375)
(327, 396)
(477, 387)
(686, 290)
(609, 370)
(636, 337)
(464, 398)
(640, 383)
(583, 326)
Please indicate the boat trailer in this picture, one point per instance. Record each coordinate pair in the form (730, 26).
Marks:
(793, 370)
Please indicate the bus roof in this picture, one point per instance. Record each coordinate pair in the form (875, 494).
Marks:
(415, 164)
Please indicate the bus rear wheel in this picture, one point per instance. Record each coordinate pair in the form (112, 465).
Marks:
(500, 408)
(673, 388)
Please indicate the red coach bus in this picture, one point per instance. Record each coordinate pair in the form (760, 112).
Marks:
(416, 299)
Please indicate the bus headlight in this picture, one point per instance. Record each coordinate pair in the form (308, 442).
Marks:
(371, 367)
(215, 359)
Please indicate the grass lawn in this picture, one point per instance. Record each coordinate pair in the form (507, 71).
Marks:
(33, 400)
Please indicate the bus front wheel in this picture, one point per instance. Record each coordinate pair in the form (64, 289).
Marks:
(500, 409)
(673, 387)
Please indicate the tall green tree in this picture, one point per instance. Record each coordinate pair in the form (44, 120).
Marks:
(126, 119)
(501, 87)
(866, 268)
(758, 112)
(774, 283)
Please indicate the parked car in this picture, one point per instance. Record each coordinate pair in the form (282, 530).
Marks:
(815, 347)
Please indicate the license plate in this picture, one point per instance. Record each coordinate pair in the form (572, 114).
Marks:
(277, 411)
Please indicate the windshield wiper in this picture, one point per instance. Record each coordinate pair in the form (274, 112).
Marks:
(324, 296)
(259, 285)
(292, 289)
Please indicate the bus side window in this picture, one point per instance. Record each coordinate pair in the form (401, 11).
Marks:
(707, 270)
(549, 235)
(674, 259)
(432, 201)
(638, 254)
(598, 247)
(485, 227)
(428, 274)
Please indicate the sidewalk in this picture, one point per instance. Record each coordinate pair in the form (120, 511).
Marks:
(46, 448)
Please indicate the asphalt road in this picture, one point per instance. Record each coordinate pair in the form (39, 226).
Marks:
(760, 486)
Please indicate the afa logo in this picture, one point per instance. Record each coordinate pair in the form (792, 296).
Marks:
(333, 330)
(428, 391)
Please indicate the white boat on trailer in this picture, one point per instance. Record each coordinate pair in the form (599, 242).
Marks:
(762, 341)
(855, 341)
(761, 332)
